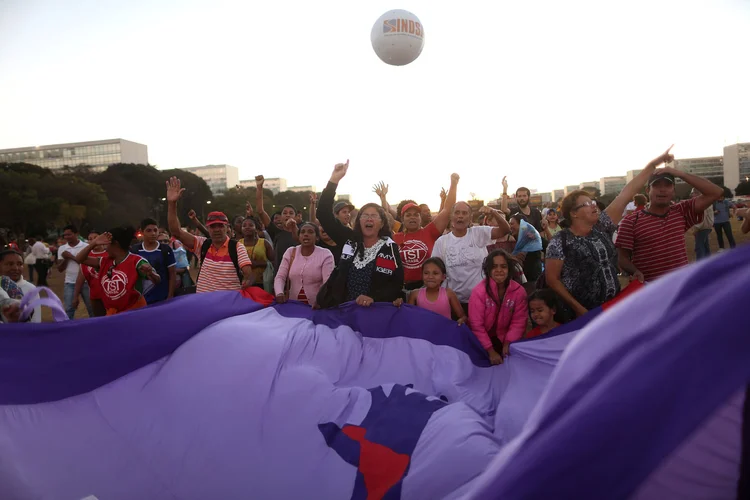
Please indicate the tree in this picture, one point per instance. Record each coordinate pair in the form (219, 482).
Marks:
(743, 188)
(299, 200)
(233, 202)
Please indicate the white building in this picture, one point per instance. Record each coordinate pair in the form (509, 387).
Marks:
(632, 174)
(736, 164)
(558, 194)
(274, 184)
(710, 167)
(219, 178)
(301, 189)
(589, 185)
(97, 154)
(612, 185)
(570, 189)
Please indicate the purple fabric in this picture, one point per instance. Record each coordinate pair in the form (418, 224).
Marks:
(31, 300)
(385, 321)
(632, 386)
(74, 357)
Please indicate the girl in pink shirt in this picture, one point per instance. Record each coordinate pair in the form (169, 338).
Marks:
(433, 296)
(306, 266)
(497, 307)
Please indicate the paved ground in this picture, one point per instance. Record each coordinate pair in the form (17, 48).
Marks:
(56, 279)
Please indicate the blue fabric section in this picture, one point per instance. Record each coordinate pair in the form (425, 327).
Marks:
(385, 321)
(71, 358)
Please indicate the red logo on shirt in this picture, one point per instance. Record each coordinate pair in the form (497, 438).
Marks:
(384, 263)
(115, 286)
(413, 254)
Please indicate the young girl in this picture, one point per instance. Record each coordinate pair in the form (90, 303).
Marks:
(497, 307)
(432, 296)
(543, 308)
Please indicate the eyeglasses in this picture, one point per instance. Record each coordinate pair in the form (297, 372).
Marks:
(591, 203)
(370, 216)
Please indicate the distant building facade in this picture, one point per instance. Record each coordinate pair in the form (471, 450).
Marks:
(274, 184)
(301, 189)
(96, 154)
(219, 178)
(612, 185)
(736, 164)
(558, 194)
(710, 167)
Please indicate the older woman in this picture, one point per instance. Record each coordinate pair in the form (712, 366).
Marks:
(370, 269)
(306, 266)
(581, 263)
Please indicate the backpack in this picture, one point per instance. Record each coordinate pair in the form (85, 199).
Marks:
(232, 255)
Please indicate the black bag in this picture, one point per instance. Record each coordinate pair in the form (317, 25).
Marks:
(326, 297)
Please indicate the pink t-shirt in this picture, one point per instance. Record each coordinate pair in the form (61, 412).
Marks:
(441, 306)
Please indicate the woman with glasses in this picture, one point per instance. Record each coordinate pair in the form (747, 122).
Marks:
(370, 268)
(121, 273)
(581, 260)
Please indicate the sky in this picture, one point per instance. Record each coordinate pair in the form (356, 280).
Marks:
(549, 93)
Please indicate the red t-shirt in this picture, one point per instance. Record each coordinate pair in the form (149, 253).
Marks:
(415, 248)
(123, 286)
(91, 275)
(658, 241)
(534, 332)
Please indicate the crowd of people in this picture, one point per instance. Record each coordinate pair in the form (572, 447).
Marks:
(463, 265)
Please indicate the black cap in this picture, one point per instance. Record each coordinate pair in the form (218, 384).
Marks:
(659, 175)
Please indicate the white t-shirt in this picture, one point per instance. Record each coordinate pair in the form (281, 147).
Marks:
(39, 251)
(463, 259)
(71, 270)
(26, 288)
(629, 208)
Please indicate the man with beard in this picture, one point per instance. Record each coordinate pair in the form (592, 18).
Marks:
(284, 232)
(651, 242)
(415, 242)
(532, 215)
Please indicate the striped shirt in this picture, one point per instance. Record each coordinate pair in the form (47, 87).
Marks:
(217, 269)
(658, 241)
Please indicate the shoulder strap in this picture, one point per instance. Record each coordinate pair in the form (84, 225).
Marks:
(235, 259)
(204, 251)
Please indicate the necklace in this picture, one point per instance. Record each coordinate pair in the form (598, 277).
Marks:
(369, 255)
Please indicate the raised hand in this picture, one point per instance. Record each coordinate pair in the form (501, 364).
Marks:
(455, 178)
(259, 180)
(665, 157)
(505, 184)
(174, 189)
(443, 194)
(103, 239)
(192, 215)
(313, 198)
(248, 209)
(381, 189)
(339, 171)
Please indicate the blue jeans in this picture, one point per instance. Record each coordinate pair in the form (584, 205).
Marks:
(702, 249)
(727, 228)
(70, 289)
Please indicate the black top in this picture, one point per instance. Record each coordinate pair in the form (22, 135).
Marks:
(334, 249)
(282, 241)
(387, 271)
(534, 218)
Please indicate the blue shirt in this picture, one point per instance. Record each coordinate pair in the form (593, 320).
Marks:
(151, 292)
(181, 259)
(721, 213)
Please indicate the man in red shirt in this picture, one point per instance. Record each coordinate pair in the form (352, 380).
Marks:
(415, 242)
(651, 242)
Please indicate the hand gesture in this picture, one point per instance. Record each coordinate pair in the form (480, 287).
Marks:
(380, 189)
(103, 239)
(291, 224)
(67, 255)
(280, 298)
(485, 210)
(364, 300)
(443, 194)
(339, 171)
(665, 157)
(313, 198)
(495, 357)
(545, 224)
(259, 180)
(192, 215)
(12, 313)
(454, 179)
(248, 209)
(398, 302)
(505, 184)
(174, 189)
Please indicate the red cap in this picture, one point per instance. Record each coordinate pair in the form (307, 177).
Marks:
(216, 218)
(408, 206)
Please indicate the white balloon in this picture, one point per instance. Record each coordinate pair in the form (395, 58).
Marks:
(397, 37)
